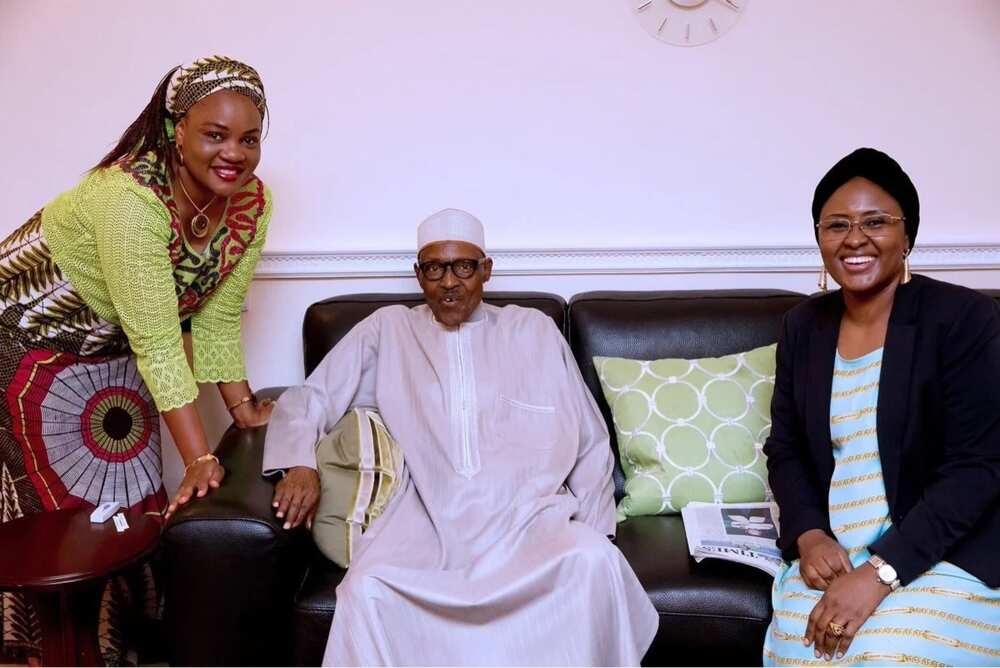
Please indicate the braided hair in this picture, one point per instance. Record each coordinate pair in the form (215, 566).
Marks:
(148, 132)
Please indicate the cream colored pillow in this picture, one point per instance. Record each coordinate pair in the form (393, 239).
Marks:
(359, 467)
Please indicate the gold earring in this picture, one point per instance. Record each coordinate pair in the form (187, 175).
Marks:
(180, 155)
(907, 276)
(822, 278)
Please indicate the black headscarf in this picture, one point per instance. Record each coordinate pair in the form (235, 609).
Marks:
(881, 170)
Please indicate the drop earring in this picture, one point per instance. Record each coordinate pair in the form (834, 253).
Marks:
(822, 278)
(907, 276)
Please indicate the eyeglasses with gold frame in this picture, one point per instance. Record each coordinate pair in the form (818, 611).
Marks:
(873, 226)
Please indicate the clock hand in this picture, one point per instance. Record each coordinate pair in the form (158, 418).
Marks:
(732, 5)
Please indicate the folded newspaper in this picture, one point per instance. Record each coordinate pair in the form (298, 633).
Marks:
(746, 533)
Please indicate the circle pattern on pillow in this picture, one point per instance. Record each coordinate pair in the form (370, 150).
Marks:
(690, 430)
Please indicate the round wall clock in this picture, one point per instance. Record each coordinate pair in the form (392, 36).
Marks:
(687, 22)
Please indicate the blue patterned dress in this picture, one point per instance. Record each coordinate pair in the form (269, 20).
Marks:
(945, 617)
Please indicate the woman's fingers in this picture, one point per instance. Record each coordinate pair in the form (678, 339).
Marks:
(846, 639)
(820, 635)
(826, 639)
(834, 564)
(812, 578)
(832, 639)
(218, 473)
(197, 483)
(845, 560)
(823, 568)
(216, 476)
(184, 492)
(810, 635)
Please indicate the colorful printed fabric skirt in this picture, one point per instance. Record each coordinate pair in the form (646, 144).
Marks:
(945, 617)
(77, 427)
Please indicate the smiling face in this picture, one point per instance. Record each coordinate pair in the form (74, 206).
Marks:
(452, 299)
(219, 139)
(862, 265)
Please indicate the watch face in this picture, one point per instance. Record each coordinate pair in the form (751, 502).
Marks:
(687, 22)
(886, 573)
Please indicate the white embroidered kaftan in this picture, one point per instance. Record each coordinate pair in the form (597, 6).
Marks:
(494, 551)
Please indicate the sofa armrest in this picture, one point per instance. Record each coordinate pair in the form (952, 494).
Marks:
(230, 570)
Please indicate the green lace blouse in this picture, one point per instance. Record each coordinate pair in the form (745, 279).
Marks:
(117, 237)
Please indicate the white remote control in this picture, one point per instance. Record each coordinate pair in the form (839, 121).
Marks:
(103, 512)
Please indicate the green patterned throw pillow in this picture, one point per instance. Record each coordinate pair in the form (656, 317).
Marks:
(690, 430)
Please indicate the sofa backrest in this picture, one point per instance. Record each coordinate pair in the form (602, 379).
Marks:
(637, 325)
(327, 322)
(684, 324)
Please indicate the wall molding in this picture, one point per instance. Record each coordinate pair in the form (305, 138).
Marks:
(622, 261)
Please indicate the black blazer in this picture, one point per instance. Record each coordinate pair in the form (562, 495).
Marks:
(938, 427)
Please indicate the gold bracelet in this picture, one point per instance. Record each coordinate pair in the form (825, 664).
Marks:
(203, 458)
(239, 403)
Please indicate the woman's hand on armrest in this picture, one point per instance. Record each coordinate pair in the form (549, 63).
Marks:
(245, 407)
(255, 413)
(199, 477)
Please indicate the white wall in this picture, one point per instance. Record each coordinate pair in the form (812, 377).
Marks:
(561, 123)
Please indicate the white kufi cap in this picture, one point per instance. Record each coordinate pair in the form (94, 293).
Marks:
(451, 225)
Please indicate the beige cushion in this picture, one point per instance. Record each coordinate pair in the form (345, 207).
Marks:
(359, 467)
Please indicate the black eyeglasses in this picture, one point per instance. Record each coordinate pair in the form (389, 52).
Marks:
(462, 268)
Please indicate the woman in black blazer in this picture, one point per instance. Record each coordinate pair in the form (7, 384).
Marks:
(884, 452)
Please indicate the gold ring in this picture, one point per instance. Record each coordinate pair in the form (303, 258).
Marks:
(836, 629)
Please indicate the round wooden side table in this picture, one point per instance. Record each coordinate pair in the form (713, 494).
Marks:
(61, 562)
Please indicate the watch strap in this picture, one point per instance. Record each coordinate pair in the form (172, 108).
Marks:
(877, 563)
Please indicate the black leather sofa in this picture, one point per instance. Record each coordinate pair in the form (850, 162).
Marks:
(240, 590)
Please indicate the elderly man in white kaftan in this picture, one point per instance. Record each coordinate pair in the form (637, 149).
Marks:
(495, 550)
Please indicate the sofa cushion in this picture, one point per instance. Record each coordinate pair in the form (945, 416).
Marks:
(314, 605)
(360, 468)
(690, 430)
(327, 322)
(684, 324)
(713, 612)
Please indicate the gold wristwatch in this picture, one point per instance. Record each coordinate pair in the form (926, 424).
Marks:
(885, 573)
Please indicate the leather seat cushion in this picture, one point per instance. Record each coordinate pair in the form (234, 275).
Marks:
(717, 611)
(314, 607)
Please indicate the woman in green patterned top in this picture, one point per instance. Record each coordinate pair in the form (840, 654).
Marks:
(93, 290)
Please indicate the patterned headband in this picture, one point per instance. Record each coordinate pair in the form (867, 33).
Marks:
(199, 79)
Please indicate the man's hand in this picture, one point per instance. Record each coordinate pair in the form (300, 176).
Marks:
(296, 496)
(848, 603)
(822, 559)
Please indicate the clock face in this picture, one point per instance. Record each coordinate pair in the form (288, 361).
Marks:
(687, 22)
